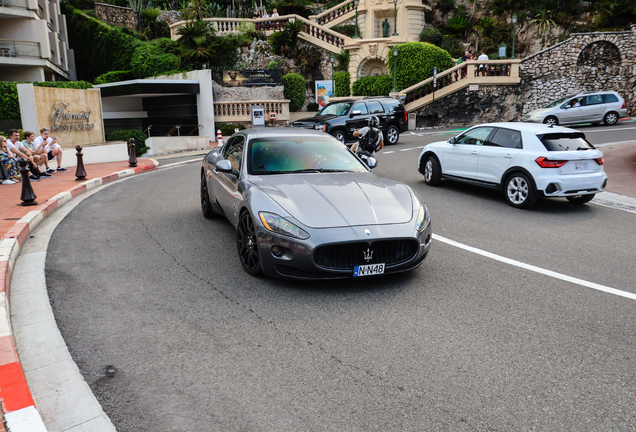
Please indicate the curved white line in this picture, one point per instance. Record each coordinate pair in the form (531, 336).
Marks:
(536, 269)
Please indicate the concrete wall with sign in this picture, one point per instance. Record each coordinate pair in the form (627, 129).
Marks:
(73, 116)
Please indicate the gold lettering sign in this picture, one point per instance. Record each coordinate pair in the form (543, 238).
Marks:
(59, 115)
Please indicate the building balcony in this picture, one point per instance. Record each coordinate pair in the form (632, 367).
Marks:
(14, 3)
(11, 48)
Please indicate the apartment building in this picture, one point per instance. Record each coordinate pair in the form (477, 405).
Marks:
(34, 42)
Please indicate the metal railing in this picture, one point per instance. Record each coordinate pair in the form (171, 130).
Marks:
(12, 48)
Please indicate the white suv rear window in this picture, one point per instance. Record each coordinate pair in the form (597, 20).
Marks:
(565, 142)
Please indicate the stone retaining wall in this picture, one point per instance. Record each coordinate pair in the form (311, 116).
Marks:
(584, 62)
(116, 15)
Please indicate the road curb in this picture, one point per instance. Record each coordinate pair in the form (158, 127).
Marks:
(21, 414)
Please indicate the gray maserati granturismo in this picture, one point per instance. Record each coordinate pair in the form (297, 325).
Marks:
(305, 207)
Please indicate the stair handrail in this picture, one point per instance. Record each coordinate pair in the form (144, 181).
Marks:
(348, 4)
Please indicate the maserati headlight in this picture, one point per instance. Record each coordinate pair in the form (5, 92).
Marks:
(423, 218)
(279, 225)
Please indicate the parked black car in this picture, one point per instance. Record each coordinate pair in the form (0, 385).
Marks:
(343, 117)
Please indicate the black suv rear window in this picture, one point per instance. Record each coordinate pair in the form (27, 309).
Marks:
(393, 105)
(566, 142)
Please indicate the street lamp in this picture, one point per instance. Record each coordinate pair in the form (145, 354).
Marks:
(356, 2)
(395, 33)
(514, 21)
(395, 54)
(332, 59)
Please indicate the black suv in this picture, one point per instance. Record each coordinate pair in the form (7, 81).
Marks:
(341, 118)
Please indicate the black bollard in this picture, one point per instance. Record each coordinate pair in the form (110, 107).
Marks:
(133, 158)
(80, 172)
(28, 196)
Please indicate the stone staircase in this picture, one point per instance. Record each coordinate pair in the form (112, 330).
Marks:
(459, 77)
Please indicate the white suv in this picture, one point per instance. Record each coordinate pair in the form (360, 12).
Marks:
(525, 161)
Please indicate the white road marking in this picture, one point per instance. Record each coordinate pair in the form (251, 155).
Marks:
(407, 149)
(536, 269)
(615, 201)
(615, 143)
(388, 152)
(607, 130)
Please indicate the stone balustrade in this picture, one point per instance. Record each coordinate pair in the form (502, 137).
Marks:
(241, 111)
(491, 72)
(314, 33)
(334, 13)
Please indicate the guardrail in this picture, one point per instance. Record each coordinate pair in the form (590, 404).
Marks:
(491, 72)
(241, 111)
(12, 48)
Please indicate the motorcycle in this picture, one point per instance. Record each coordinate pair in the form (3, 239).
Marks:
(365, 156)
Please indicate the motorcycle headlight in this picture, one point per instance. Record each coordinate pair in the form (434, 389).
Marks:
(276, 224)
(423, 218)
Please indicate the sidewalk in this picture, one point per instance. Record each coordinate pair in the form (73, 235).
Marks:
(16, 222)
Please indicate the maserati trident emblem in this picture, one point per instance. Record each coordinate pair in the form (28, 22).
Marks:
(368, 255)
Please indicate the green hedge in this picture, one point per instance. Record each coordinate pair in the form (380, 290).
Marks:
(373, 86)
(227, 129)
(295, 87)
(342, 81)
(9, 104)
(98, 47)
(415, 62)
(125, 135)
(114, 76)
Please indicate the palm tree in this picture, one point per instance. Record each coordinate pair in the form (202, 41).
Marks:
(543, 22)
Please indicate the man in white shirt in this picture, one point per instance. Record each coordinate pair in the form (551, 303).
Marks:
(483, 57)
(50, 149)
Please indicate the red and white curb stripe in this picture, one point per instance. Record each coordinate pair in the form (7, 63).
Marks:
(21, 414)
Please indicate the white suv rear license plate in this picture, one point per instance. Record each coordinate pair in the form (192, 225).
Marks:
(368, 270)
(580, 166)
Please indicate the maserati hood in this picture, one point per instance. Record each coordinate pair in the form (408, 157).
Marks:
(333, 200)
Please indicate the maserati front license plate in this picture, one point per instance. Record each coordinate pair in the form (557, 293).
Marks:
(368, 270)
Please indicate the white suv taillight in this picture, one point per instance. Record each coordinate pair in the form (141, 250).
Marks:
(600, 161)
(623, 107)
(545, 163)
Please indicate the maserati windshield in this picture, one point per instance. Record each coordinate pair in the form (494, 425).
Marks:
(301, 155)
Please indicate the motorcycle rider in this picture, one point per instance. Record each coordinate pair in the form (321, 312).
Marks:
(371, 138)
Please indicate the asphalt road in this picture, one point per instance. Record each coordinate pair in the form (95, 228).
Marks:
(140, 280)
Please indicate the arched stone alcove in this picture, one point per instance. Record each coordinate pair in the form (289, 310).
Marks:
(373, 67)
(600, 53)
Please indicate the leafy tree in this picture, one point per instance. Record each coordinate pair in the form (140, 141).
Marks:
(285, 41)
(431, 35)
(446, 6)
(457, 25)
(415, 62)
(196, 10)
(304, 8)
(343, 61)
